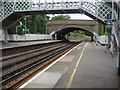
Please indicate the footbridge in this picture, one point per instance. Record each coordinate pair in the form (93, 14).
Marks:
(12, 10)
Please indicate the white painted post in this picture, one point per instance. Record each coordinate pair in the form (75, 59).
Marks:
(16, 33)
(118, 58)
(52, 3)
(62, 4)
(112, 40)
(96, 22)
(55, 36)
(112, 34)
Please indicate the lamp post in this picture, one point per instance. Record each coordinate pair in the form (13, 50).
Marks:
(96, 2)
(25, 27)
(47, 18)
(17, 29)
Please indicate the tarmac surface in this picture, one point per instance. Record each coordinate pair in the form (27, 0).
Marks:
(86, 66)
(19, 44)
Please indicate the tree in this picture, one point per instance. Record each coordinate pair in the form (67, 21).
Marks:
(77, 34)
(101, 29)
(35, 23)
(61, 17)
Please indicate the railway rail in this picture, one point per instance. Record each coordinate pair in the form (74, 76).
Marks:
(19, 68)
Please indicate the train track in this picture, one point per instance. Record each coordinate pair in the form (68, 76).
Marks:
(19, 68)
(9, 52)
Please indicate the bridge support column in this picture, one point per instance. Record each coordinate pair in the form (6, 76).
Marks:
(112, 33)
(5, 36)
(112, 41)
(96, 41)
(118, 62)
(109, 38)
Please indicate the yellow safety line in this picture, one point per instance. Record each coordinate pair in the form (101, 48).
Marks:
(76, 66)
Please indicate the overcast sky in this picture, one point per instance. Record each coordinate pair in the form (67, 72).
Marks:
(73, 16)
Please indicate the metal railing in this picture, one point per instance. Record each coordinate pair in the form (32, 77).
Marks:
(6, 10)
(23, 5)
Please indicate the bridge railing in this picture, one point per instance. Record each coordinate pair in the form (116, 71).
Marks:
(11, 6)
(90, 7)
(104, 11)
(6, 9)
(98, 10)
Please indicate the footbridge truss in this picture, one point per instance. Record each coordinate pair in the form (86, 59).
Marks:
(95, 10)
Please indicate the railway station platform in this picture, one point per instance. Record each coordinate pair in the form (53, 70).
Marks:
(20, 44)
(86, 66)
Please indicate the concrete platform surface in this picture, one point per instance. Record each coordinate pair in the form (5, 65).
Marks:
(27, 43)
(87, 66)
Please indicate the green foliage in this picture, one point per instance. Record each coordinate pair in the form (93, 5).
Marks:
(61, 17)
(76, 35)
(35, 23)
(101, 29)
